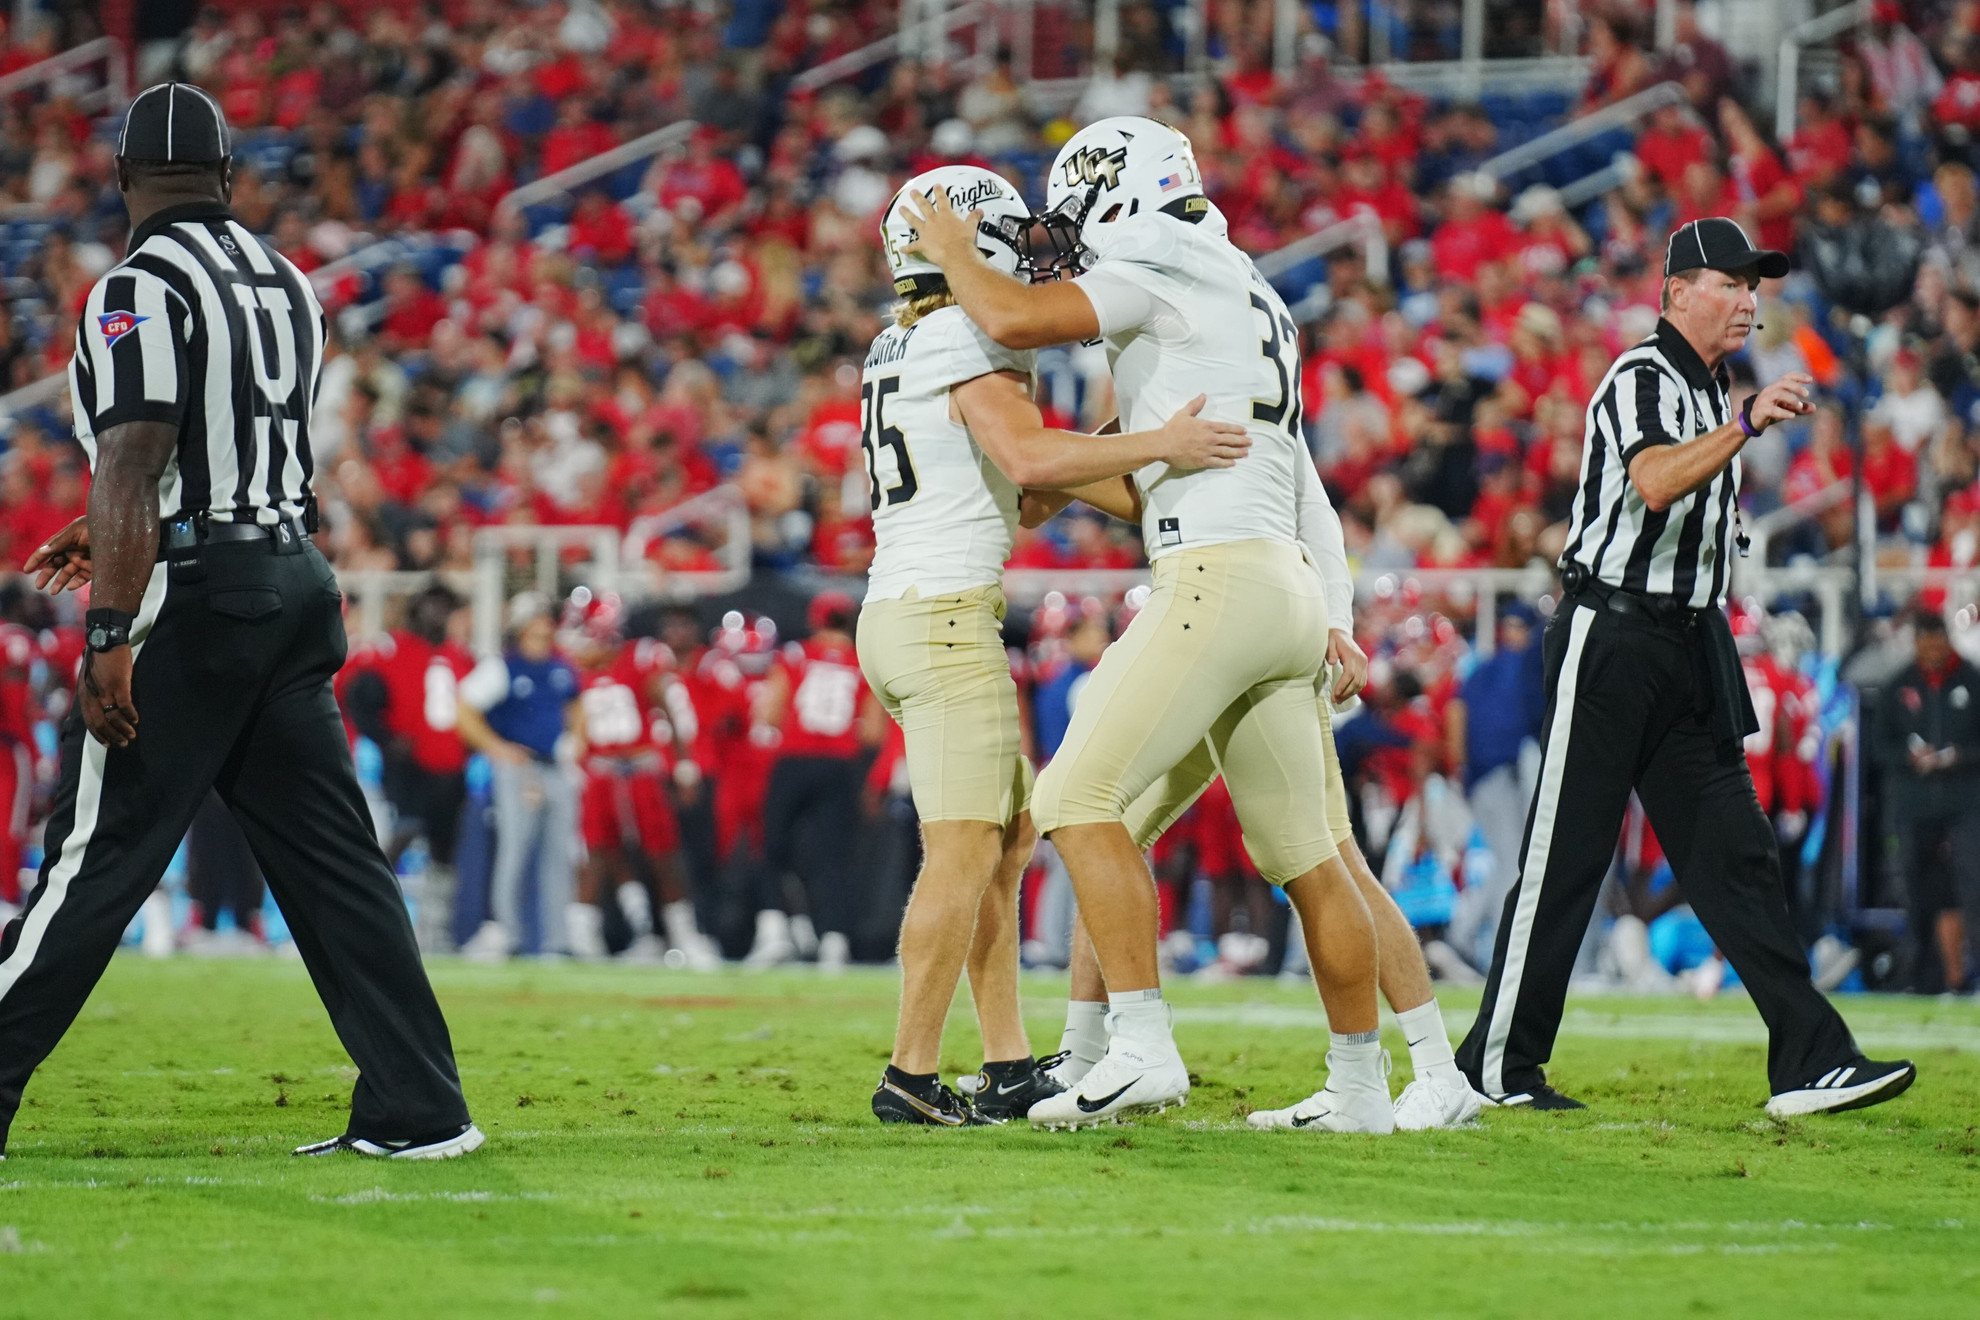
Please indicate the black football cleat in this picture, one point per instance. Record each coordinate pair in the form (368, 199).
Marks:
(893, 1103)
(1542, 1097)
(434, 1146)
(1005, 1091)
(1855, 1085)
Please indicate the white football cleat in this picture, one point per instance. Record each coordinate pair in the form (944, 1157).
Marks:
(1346, 1104)
(1437, 1102)
(584, 928)
(489, 944)
(774, 944)
(1127, 1081)
(834, 953)
(646, 951)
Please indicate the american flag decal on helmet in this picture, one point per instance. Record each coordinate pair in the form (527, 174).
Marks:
(1170, 182)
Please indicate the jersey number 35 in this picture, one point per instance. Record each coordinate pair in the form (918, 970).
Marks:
(875, 435)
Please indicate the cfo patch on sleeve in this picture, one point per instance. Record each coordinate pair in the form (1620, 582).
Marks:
(1168, 531)
(115, 325)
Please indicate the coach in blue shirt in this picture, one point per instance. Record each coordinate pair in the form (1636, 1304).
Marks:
(516, 710)
(1498, 710)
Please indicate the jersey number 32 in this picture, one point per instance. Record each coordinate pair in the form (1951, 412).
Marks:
(875, 435)
(1281, 348)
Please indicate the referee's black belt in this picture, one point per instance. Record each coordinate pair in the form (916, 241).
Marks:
(1664, 611)
(181, 538)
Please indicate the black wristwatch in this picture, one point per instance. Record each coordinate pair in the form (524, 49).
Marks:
(106, 630)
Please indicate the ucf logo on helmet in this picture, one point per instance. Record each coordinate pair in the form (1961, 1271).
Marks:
(1096, 165)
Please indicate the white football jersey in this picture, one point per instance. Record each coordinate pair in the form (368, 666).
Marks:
(944, 516)
(1183, 313)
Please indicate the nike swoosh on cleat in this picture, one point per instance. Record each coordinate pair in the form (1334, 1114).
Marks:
(1310, 1119)
(945, 1119)
(1006, 1090)
(1095, 1106)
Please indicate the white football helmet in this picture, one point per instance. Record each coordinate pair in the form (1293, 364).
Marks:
(1113, 169)
(1000, 233)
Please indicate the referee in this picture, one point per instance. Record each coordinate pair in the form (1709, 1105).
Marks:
(1645, 692)
(214, 630)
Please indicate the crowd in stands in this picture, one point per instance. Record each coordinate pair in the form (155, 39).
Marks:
(696, 319)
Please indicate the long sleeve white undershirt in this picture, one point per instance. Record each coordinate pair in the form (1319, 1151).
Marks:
(1320, 532)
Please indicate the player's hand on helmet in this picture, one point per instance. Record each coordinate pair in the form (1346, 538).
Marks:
(1784, 400)
(108, 711)
(1191, 442)
(1344, 651)
(62, 562)
(943, 234)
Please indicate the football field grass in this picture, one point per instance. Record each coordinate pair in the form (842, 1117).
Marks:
(668, 1144)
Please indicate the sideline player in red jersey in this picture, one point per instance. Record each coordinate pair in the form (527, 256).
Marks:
(725, 685)
(20, 709)
(1790, 713)
(631, 711)
(401, 693)
(816, 708)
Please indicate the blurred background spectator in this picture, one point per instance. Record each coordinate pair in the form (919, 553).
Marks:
(660, 355)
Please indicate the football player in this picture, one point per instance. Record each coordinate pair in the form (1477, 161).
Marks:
(815, 712)
(402, 693)
(950, 433)
(1438, 1096)
(1230, 645)
(631, 712)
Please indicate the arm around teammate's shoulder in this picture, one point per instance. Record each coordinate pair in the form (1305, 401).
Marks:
(1665, 471)
(1001, 416)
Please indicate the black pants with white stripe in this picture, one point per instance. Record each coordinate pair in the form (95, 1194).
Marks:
(1623, 714)
(232, 686)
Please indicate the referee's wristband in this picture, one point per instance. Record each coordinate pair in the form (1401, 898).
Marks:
(1746, 418)
(106, 630)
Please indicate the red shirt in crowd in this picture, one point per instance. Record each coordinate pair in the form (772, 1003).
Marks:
(1460, 247)
(1753, 179)
(1666, 156)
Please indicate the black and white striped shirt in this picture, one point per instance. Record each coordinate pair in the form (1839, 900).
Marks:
(206, 327)
(1658, 393)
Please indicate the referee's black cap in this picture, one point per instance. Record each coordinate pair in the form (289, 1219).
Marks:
(176, 123)
(1717, 243)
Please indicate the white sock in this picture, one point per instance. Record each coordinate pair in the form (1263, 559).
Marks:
(678, 917)
(1139, 1017)
(584, 926)
(1085, 1037)
(1355, 1057)
(1429, 1044)
(636, 905)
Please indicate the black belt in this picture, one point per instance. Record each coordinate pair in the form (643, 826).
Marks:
(180, 538)
(1664, 611)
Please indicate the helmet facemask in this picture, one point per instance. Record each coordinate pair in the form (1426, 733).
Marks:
(1052, 246)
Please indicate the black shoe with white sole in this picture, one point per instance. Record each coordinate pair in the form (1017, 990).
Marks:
(926, 1102)
(1541, 1096)
(434, 1146)
(1005, 1091)
(1855, 1085)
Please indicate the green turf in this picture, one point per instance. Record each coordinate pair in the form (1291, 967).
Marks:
(667, 1144)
